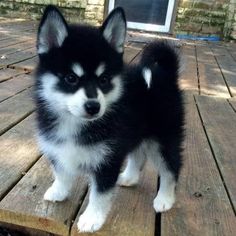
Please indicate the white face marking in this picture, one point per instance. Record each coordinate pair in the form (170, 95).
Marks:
(100, 69)
(116, 92)
(78, 69)
(147, 75)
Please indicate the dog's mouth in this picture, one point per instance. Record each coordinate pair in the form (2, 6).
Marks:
(90, 117)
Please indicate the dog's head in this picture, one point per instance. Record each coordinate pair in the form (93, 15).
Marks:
(79, 71)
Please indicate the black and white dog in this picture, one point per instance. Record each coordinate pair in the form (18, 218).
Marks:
(93, 112)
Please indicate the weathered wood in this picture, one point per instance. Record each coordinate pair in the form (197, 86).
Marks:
(227, 65)
(15, 109)
(233, 103)
(13, 41)
(16, 48)
(202, 206)
(219, 120)
(24, 204)
(28, 65)
(15, 230)
(11, 87)
(131, 51)
(210, 77)
(17, 153)
(18, 56)
(132, 213)
(7, 73)
(188, 72)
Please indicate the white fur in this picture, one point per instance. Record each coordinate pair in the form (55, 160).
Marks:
(147, 75)
(100, 69)
(115, 32)
(74, 103)
(52, 33)
(78, 69)
(96, 212)
(116, 92)
(150, 149)
(73, 156)
(60, 188)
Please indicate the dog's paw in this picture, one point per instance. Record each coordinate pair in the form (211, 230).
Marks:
(90, 222)
(163, 203)
(127, 180)
(54, 194)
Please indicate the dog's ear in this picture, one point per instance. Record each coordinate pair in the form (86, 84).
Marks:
(52, 31)
(114, 29)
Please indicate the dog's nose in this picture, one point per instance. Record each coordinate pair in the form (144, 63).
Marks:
(92, 107)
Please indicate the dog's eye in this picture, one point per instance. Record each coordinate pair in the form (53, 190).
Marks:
(104, 80)
(71, 79)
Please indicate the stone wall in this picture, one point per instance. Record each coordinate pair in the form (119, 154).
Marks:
(90, 11)
(205, 18)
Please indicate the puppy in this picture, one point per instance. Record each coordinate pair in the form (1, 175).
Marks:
(93, 112)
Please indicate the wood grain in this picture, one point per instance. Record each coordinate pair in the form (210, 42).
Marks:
(132, 213)
(188, 76)
(210, 77)
(27, 65)
(16, 48)
(7, 73)
(18, 56)
(11, 87)
(202, 206)
(233, 103)
(24, 204)
(219, 120)
(18, 151)
(131, 51)
(15, 109)
(227, 65)
(13, 41)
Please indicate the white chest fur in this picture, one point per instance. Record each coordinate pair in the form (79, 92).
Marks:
(71, 156)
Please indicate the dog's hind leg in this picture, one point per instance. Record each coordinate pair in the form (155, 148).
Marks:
(135, 162)
(168, 164)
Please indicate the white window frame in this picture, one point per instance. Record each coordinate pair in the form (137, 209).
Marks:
(150, 27)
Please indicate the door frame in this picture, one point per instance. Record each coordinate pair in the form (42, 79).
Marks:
(150, 27)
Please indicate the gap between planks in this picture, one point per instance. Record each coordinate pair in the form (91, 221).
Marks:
(202, 207)
(221, 133)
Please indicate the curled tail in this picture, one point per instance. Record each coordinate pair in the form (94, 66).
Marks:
(160, 63)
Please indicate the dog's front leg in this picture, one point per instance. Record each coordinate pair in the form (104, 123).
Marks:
(100, 199)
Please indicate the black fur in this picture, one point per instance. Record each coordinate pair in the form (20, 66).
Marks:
(141, 113)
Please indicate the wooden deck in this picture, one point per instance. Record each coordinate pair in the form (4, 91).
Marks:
(206, 195)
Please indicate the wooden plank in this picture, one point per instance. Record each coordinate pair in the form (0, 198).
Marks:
(15, 230)
(131, 51)
(233, 103)
(210, 77)
(202, 206)
(7, 73)
(132, 213)
(24, 204)
(27, 65)
(227, 65)
(11, 87)
(188, 75)
(17, 153)
(13, 41)
(15, 109)
(16, 48)
(219, 120)
(18, 57)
